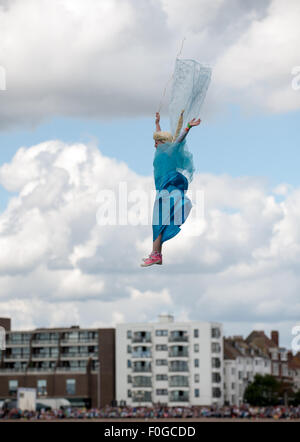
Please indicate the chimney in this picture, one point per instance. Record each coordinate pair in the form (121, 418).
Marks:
(5, 323)
(275, 337)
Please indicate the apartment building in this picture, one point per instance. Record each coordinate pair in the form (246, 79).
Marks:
(72, 363)
(168, 362)
(242, 362)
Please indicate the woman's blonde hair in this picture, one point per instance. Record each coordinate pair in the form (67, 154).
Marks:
(163, 137)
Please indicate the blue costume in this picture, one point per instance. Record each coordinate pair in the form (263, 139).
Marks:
(173, 163)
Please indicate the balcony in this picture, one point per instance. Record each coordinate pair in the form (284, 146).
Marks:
(85, 355)
(141, 355)
(44, 343)
(178, 336)
(179, 396)
(179, 381)
(79, 342)
(144, 396)
(42, 357)
(178, 367)
(142, 339)
(40, 370)
(140, 369)
(12, 370)
(16, 357)
(176, 352)
(70, 370)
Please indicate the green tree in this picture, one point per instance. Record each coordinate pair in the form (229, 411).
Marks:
(263, 391)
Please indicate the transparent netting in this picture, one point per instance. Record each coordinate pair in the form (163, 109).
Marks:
(190, 83)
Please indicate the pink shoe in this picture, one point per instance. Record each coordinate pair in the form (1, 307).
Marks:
(154, 258)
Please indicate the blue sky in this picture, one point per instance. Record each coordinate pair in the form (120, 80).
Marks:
(236, 143)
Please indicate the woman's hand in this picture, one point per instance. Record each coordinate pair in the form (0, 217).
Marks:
(194, 122)
(157, 118)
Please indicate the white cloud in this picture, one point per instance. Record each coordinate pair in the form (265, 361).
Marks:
(57, 266)
(112, 58)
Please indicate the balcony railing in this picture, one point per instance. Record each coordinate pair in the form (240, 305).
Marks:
(179, 398)
(178, 338)
(17, 357)
(36, 357)
(42, 343)
(139, 354)
(178, 368)
(141, 339)
(178, 354)
(142, 369)
(71, 369)
(40, 369)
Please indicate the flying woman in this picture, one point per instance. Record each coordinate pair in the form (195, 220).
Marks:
(172, 206)
(173, 163)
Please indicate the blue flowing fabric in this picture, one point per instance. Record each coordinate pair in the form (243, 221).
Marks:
(173, 170)
(173, 163)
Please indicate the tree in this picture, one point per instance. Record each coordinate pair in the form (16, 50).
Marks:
(263, 391)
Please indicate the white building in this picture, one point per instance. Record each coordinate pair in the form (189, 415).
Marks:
(241, 363)
(167, 362)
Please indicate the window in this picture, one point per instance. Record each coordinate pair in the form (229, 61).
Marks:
(161, 392)
(161, 362)
(216, 377)
(240, 375)
(197, 378)
(161, 347)
(161, 332)
(196, 333)
(232, 386)
(128, 363)
(216, 363)
(161, 377)
(215, 332)
(71, 386)
(12, 387)
(128, 348)
(129, 379)
(128, 393)
(196, 362)
(129, 334)
(42, 387)
(196, 392)
(215, 347)
(216, 392)
(233, 371)
(196, 348)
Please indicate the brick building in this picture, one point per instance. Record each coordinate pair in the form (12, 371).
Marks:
(71, 363)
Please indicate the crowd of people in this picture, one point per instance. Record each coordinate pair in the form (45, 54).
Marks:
(157, 412)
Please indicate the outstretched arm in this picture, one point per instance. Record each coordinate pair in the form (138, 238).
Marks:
(192, 123)
(157, 120)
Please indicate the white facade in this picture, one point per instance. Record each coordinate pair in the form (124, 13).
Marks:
(239, 372)
(167, 362)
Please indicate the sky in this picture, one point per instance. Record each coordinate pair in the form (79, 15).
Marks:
(83, 82)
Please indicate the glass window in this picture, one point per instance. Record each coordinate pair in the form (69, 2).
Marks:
(128, 348)
(197, 378)
(161, 392)
(196, 333)
(161, 362)
(196, 392)
(12, 387)
(196, 348)
(41, 387)
(129, 363)
(196, 362)
(129, 334)
(161, 377)
(161, 332)
(71, 386)
(215, 332)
